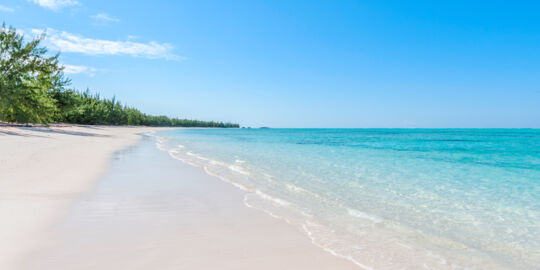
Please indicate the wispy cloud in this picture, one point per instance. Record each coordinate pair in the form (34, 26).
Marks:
(71, 43)
(6, 9)
(102, 17)
(55, 4)
(73, 69)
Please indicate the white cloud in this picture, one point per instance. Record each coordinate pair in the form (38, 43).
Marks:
(55, 4)
(6, 9)
(70, 43)
(73, 69)
(104, 18)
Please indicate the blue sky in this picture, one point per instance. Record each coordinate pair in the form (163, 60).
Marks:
(302, 63)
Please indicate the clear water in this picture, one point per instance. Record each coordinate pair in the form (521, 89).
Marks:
(387, 198)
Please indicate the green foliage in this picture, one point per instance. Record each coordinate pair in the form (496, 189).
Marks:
(85, 108)
(32, 90)
(26, 78)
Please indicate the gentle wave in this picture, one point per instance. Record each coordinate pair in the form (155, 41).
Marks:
(360, 214)
(321, 236)
(276, 202)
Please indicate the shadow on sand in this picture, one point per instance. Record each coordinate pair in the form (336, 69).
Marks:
(50, 130)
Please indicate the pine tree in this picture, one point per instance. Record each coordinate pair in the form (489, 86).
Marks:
(27, 79)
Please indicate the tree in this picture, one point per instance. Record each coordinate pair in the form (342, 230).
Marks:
(28, 79)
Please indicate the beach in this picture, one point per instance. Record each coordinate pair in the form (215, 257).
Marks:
(93, 197)
(42, 171)
(100, 197)
(269, 135)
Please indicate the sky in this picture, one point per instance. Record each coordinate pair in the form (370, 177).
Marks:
(380, 64)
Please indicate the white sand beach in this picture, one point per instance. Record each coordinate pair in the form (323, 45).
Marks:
(42, 170)
(66, 204)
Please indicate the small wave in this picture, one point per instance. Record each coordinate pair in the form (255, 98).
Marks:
(174, 155)
(311, 236)
(149, 133)
(238, 169)
(297, 189)
(273, 199)
(360, 214)
(189, 153)
(270, 213)
(210, 161)
(225, 179)
(160, 144)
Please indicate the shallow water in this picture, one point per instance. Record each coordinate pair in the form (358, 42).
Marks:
(387, 198)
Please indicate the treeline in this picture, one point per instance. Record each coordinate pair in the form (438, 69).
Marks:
(91, 109)
(33, 90)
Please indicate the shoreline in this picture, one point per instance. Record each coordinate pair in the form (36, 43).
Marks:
(49, 218)
(43, 170)
(405, 245)
(150, 211)
(102, 197)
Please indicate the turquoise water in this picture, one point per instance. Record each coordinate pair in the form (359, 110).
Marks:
(387, 198)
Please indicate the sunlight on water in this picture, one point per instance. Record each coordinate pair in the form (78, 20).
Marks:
(387, 198)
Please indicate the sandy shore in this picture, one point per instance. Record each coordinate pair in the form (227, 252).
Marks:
(42, 170)
(59, 210)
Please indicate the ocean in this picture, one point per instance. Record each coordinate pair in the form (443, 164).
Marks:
(387, 198)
